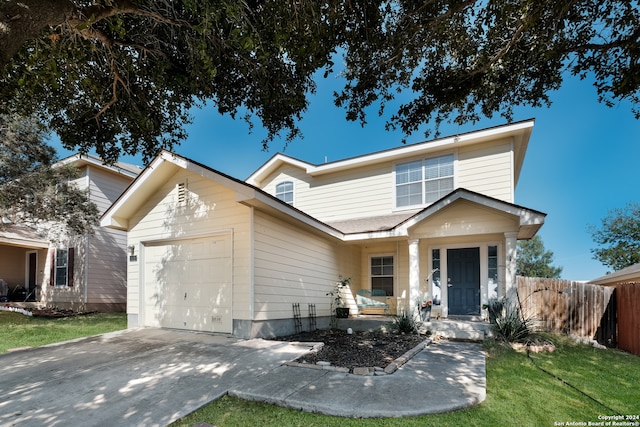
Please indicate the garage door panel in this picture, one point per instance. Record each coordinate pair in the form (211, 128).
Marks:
(188, 285)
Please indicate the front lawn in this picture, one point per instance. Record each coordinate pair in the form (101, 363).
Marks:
(580, 384)
(18, 330)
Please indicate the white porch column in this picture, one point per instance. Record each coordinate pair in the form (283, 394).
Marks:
(511, 249)
(414, 275)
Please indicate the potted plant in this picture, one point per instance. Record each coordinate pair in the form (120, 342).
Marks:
(425, 306)
(337, 302)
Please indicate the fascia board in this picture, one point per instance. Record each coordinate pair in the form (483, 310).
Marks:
(516, 129)
(93, 161)
(261, 200)
(114, 217)
(273, 164)
(527, 217)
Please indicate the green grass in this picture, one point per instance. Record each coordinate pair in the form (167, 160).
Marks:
(18, 330)
(518, 393)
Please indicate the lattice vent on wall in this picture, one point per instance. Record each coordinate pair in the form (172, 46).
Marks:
(182, 188)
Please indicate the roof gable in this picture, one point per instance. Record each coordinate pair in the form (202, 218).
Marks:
(528, 220)
(520, 133)
(167, 164)
(120, 168)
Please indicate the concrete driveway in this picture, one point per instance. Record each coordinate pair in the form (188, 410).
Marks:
(152, 377)
(145, 377)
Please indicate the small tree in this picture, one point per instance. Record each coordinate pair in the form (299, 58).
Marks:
(534, 261)
(33, 190)
(618, 237)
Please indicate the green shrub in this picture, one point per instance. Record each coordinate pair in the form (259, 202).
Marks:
(404, 324)
(508, 322)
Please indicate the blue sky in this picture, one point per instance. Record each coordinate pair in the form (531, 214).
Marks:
(582, 159)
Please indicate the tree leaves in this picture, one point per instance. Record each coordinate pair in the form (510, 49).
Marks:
(120, 76)
(618, 237)
(34, 191)
(535, 261)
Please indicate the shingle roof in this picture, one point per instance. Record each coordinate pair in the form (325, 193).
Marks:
(376, 223)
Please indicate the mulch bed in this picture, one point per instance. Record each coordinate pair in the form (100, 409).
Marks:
(56, 313)
(360, 349)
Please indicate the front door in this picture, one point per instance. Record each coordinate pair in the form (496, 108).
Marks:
(463, 282)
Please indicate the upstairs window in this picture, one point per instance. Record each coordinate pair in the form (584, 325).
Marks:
(284, 192)
(424, 181)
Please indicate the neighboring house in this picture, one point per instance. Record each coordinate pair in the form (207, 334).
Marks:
(623, 307)
(82, 273)
(434, 220)
(629, 274)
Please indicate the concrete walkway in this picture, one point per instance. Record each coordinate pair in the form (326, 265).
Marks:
(443, 377)
(152, 377)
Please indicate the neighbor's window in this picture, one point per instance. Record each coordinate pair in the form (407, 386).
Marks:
(284, 192)
(382, 275)
(62, 268)
(62, 259)
(423, 182)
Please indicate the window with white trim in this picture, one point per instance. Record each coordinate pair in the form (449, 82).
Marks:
(436, 289)
(61, 274)
(62, 260)
(492, 270)
(424, 181)
(382, 276)
(284, 192)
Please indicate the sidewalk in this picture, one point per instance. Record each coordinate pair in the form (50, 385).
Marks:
(443, 377)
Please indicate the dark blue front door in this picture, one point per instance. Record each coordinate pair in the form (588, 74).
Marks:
(463, 282)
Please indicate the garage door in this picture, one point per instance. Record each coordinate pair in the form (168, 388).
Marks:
(187, 284)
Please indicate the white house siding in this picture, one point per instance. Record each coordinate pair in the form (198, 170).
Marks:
(357, 193)
(487, 169)
(369, 191)
(288, 173)
(211, 209)
(464, 218)
(294, 266)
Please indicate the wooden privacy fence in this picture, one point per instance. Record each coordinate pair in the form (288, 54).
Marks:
(628, 305)
(574, 308)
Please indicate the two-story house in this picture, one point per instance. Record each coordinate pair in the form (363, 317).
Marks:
(81, 272)
(432, 220)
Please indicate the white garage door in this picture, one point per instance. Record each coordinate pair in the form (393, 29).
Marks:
(187, 284)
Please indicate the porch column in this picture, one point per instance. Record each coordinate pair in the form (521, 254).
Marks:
(511, 249)
(414, 275)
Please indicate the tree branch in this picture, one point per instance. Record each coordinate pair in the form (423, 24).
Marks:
(117, 78)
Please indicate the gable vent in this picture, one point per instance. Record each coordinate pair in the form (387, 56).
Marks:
(182, 193)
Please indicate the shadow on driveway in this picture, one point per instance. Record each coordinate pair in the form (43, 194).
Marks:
(144, 377)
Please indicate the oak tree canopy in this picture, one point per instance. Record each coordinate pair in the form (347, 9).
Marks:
(120, 76)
